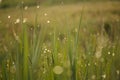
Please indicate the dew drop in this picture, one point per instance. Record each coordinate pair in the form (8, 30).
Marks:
(58, 70)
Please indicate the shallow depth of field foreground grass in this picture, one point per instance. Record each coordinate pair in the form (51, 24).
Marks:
(61, 42)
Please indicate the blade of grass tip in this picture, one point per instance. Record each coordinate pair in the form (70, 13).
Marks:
(74, 76)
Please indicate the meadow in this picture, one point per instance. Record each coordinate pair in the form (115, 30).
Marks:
(60, 42)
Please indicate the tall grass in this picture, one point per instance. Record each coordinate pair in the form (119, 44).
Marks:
(73, 52)
(69, 55)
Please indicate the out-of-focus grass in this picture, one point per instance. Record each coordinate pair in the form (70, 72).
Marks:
(34, 42)
(68, 13)
(13, 3)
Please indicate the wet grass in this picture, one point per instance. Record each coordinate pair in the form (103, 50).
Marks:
(68, 42)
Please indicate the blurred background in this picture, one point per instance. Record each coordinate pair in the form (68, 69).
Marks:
(11, 3)
(60, 39)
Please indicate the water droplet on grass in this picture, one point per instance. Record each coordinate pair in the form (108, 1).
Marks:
(88, 64)
(26, 7)
(48, 21)
(38, 6)
(113, 54)
(9, 17)
(108, 53)
(45, 14)
(104, 76)
(118, 72)
(17, 21)
(93, 77)
(24, 20)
